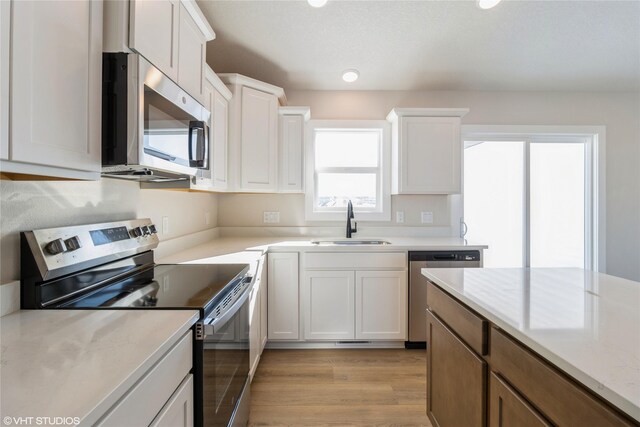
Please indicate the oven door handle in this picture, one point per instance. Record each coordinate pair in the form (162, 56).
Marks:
(212, 326)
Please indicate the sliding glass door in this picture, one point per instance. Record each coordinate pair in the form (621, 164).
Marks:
(529, 201)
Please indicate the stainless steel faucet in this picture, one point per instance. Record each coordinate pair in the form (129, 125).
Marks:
(350, 228)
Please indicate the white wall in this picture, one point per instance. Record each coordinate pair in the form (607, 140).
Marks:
(29, 205)
(619, 112)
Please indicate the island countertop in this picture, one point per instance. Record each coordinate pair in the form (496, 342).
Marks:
(585, 323)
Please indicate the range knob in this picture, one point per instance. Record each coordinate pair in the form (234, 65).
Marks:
(73, 243)
(136, 232)
(145, 230)
(55, 247)
(153, 229)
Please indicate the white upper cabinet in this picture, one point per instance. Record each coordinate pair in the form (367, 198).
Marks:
(170, 34)
(55, 87)
(154, 31)
(216, 100)
(191, 56)
(253, 134)
(426, 150)
(291, 148)
(258, 145)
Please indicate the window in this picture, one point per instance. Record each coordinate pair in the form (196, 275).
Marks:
(348, 161)
(541, 201)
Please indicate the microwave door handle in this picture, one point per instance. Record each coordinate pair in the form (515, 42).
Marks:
(213, 326)
(197, 146)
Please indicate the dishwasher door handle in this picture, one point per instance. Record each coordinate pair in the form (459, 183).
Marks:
(448, 257)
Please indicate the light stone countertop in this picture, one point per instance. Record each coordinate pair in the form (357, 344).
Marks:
(232, 245)
(585, 323)
(78, 363)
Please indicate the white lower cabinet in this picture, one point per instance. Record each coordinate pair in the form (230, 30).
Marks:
(381, 305)
(178, 412)
(152, 396)
(354, 296)
(263, 302)
(282, 304)
(328, 305)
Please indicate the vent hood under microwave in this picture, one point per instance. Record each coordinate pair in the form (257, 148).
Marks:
(152, 130)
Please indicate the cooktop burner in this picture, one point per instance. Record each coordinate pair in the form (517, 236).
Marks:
(163, 286)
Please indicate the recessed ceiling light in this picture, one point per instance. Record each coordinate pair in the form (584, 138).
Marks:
(317, 3)
(487, 4)
(350, 76)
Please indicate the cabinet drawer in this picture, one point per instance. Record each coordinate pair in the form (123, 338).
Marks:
(143, 402)
(507, 408)
(469, 326)
(355, 260)
(562, 401)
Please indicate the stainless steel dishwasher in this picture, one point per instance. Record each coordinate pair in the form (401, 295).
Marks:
(418, 286)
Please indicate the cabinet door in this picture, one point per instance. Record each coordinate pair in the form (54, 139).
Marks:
(259, 139)
(263, 302)
(291, 158)
(282, 304)
(455, 374)
(153, 33)
(191, 56)
(5, 34)
(178, 412)
(56, 110)
(254, 327)
(328, 302)
(430, 155)
(507, 408)
(220, 136)
(381, 305)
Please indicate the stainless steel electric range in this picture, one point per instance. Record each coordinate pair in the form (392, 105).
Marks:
(111, 266)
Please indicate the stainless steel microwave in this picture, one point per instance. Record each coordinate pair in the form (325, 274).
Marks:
(152, 130)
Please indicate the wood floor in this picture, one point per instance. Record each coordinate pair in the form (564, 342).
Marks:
(344, 387)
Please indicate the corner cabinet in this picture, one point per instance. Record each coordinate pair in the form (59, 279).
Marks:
(426, 150)
(291, 133)
(282, 304)
(253, 134)
(55, 112)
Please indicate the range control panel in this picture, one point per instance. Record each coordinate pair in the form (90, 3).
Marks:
(57, 250)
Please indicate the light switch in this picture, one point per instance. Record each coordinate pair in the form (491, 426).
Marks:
(165, 225)
(207, 218)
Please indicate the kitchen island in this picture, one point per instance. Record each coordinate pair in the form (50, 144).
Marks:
(548, 345)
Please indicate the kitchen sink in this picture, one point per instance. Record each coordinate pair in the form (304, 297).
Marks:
(350, 242)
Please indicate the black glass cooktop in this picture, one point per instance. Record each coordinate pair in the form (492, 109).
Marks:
(169, 286)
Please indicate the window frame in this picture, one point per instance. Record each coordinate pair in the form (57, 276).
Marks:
(594, 140)
(383, 172)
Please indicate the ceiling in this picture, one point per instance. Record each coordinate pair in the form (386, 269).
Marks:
(430, 45)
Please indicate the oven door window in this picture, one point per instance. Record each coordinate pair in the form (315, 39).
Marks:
(172, 134)
(225, 368)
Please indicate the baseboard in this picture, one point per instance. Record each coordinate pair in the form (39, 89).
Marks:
(309, 345)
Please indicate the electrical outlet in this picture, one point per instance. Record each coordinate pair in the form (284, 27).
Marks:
(400, 217)
(427, 217)
(271, 217)
(207, 218)
(165, 225)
